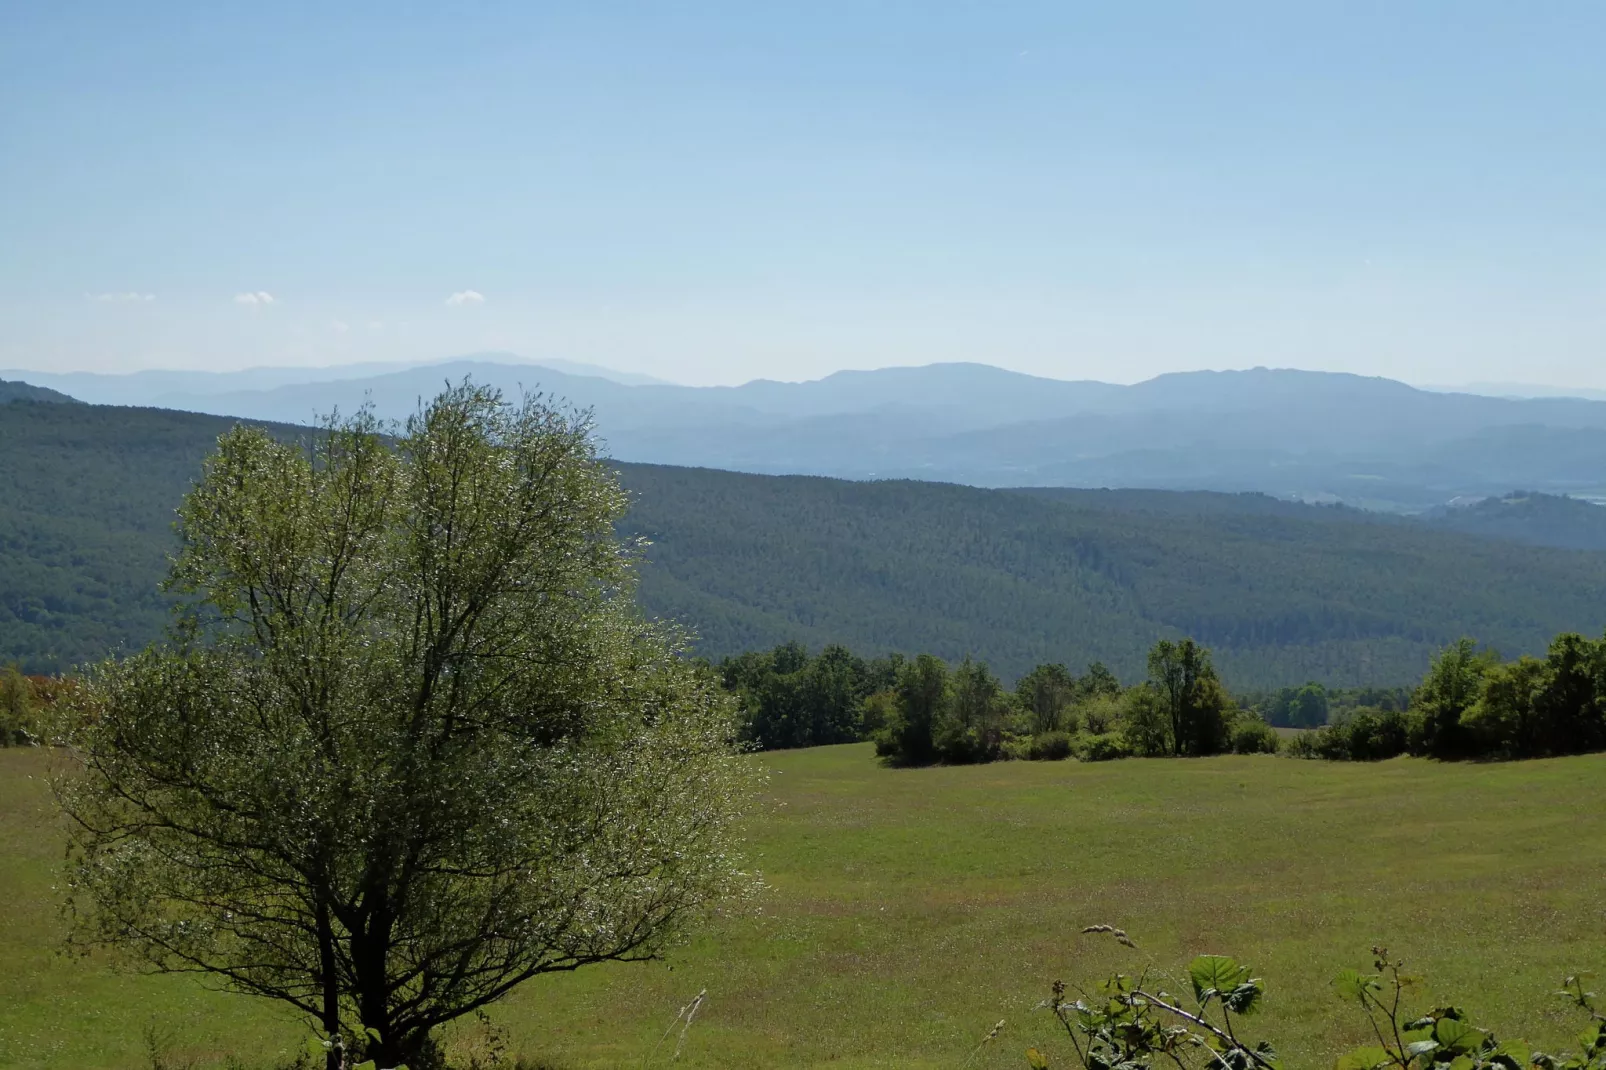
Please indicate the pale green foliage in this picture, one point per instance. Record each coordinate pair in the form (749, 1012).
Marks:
(411, 743)
(1102, 712)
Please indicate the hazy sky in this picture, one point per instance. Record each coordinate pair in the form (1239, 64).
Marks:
(712, 192)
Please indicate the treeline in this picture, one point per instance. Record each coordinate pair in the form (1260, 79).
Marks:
(1314, 705)
(923, 711)
(1473, 705)
(792, 699)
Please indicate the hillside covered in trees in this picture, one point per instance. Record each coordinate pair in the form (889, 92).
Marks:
(1282, 593)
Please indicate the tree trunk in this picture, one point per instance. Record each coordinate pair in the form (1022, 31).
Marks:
(370, 953)
(331, 989)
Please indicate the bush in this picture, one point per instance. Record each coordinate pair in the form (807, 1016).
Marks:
(1377, 734)
(1103, 748)
(1049, 747)
(1303, 745)
(962, 744)
(1251, 735)
(1015, 749)
(17, 702)
(878, 711)
(1363, 736)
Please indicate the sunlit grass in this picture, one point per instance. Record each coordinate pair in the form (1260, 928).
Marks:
(907, 911)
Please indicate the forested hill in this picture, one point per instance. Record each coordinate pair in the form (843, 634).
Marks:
(1545, 519)
(15, 391)
(1283, 592)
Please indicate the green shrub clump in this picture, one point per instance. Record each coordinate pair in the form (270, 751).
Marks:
(1251, 735)
(1103, 748)
(1049, 747)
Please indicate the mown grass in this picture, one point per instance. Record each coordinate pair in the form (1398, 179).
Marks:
(909, 910)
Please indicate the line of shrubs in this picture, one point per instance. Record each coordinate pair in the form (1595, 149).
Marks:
(1473, 705)
(923, 711)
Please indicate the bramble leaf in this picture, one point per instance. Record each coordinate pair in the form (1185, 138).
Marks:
(1367, 1058)
(1456, 1035)
(1516, 1051)
(1352, 984)
(1213, 975)
(1244, 998)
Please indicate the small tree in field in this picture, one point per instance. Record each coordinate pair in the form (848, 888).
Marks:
(410, 744)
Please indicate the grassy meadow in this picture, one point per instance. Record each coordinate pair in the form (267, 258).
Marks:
(907, 911)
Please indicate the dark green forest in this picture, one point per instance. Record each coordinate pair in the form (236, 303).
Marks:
(1282, 593)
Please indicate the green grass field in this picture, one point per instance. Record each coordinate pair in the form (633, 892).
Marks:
(907, 911)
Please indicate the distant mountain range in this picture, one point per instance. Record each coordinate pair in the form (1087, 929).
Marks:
(1521, 390)
(1370, 442)
(190, 390)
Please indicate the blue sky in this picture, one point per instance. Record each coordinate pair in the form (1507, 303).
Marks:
(713, 192)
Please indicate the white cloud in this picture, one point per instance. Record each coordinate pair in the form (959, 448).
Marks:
(260, 297)
(376, 325)
(341, 326)
(129, 298)
(466, 297)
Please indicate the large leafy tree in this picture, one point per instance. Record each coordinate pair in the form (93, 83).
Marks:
(1454, 682)
(1044, 695)
(1572, 706)
(1503, 721)
(1196, 705)
(924, 695)
(977, 714)
(410, 743)
(1098, 682)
